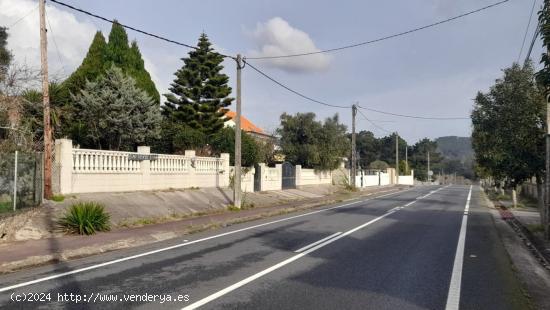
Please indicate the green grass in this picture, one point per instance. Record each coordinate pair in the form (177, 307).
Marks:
(85, 218)
(535, 228)
(58, 198)
(6, 206)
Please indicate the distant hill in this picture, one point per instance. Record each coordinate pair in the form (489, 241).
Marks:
(457, 148)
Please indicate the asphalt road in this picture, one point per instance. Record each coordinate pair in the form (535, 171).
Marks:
(398, 251)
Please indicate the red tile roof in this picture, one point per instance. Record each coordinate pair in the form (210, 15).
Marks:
(246, 125)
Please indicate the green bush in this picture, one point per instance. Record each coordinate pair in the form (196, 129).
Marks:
(85, 218)
(58, 198)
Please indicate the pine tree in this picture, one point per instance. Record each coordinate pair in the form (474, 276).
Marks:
(200, 94)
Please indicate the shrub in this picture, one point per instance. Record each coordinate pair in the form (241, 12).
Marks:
(85, 218)
(58, 198)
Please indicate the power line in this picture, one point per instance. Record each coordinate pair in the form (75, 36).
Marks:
(341, 106)
(414, 116)
(386, 37)
(23, 17)
(292, 90)
(533, 40)
(129, 27)
(55, 44)
(373, 123)
(527, 29)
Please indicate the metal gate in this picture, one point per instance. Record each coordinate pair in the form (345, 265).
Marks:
(257, 178)
(289, 176)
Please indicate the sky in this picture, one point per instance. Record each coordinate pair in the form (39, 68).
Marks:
(434, 72)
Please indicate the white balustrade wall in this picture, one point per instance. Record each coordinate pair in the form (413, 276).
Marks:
(89, 171)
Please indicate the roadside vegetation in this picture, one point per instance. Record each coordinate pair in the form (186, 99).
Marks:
(85, 218)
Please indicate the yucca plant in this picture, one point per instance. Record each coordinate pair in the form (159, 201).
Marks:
(85, 218)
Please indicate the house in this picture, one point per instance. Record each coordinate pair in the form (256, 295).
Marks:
(257, 133)
(246, 125)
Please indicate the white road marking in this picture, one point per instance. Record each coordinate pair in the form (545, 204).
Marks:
(253, 277)
(64, 274)
(317, 242)
(453, 298)
(287, 261)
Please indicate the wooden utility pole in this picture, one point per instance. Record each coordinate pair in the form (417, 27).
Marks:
(353, 147)
(407, 159)
(429, 176)
(237, 194)
(46, 102)
(396, 158)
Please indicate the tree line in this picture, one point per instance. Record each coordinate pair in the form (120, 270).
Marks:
(110, 102)
(509, 125)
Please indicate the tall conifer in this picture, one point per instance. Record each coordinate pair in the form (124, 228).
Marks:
(200, 94)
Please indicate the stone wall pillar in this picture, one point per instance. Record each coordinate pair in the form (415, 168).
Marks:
(145, 167)
(298, 175)
(63, 166)
(224, 175)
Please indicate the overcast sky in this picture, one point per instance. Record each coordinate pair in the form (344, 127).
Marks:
(434, 72)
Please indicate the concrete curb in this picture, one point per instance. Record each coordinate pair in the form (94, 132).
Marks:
(534, 277)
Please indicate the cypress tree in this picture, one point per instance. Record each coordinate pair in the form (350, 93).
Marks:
(199, 94)
(102, 55)
(92, 66)
(136, 69)
(5, 55)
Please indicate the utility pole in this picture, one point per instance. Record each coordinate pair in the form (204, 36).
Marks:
(429, 177)
(396, 158)
(46, 102)
(407, 159)
(353, 149)
(237, 179)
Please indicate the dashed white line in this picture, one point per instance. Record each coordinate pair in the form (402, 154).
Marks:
(453, 297)
(317, 242)
(262, 273)
(185, 243)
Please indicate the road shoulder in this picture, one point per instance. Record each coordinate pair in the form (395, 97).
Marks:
(534, 277)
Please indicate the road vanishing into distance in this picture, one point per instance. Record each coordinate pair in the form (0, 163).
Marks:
(427, 247)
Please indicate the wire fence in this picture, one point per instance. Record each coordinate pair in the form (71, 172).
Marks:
(21, 181)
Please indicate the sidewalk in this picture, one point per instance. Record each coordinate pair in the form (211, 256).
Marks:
(64, 247)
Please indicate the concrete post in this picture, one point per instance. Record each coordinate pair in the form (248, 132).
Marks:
(224, 177)
(145, 167)
(298, 175)
(191, 170)
(263, 174)
(63, 180)
(279, 168)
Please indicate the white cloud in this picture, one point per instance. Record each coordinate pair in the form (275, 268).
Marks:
(68, 38)
(278, 37)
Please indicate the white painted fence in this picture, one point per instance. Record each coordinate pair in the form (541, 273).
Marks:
(381, 178)
(88, 171)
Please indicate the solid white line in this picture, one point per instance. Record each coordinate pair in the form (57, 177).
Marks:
(277, 266)
(64, 274)
(453, 298)
(285, 262)
(317, 242)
